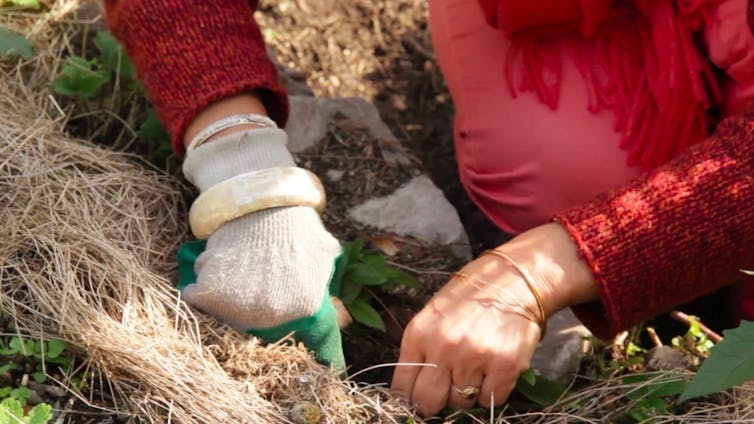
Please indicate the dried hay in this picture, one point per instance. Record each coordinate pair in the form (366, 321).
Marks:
(87, 248)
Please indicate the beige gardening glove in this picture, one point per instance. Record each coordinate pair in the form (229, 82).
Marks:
(266, 272)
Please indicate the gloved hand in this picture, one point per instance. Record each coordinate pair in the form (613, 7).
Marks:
(266, 272)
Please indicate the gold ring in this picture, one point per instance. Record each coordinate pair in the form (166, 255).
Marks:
(468, 392)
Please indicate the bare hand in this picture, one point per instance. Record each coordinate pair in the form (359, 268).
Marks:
(474, 330)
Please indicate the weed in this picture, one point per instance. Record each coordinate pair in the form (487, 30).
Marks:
(14, 45)
(106, 85)
(365, 272)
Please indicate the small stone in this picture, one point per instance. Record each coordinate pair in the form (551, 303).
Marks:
(334, 175)
(417, 209)
(342, 316)
(559, 354)
(306, 412)
(667, 358)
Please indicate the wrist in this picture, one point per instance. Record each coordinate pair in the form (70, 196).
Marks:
(237, 154)
(244, 103)
(552, 258)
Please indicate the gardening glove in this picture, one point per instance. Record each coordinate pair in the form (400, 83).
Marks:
(266, 272)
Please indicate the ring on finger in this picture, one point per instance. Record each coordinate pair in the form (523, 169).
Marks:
(467, 392)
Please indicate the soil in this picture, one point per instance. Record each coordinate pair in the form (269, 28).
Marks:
(380, 51)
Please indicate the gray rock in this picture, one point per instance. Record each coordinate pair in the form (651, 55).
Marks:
(559, 354)
(309, 117)
(418, 209)
(667, 358)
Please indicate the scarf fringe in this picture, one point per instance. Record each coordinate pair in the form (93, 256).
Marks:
(646, 68)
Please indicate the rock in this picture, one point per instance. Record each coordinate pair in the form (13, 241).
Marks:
(558, 356)
(418, 209)
(667, 358)
(309, 117)
(335, 175)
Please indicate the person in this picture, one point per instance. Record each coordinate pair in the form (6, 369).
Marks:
(584, 128)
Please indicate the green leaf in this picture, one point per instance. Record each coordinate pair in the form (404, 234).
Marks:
(113, 55)
(543, 392)
(80, 78)
(365, 314)
(10, 366)
(54, 348)
(397, 277)
(11, 408)
(529, 377)
(12, 44)
(152, 129)
(25, 4)
(22, 346)
(22, 394)
(39, 376)
(40, 414)
(365, 274)
(652, 385)
(350, 291)
(352, 250)
(731, 362)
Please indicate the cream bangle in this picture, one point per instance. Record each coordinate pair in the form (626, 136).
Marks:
(229, 122)
(253, 191)
(529, 280)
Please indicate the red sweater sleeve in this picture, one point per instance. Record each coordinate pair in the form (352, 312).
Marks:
(189, 53)
(682, 231)
(515, 16)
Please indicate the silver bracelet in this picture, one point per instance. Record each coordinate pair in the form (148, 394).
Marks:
(229, 122)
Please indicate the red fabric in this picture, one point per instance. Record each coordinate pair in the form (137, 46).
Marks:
(189, 53)
(659, 110)
(549, 16)
(684, 230)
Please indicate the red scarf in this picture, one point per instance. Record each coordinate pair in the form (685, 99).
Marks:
(661, 109)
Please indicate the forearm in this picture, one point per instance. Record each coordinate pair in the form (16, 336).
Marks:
(684, 230)
(191, 54)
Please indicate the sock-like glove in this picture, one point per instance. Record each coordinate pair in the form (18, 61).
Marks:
(266, 272)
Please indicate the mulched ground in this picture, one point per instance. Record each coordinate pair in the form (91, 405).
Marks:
(380, 51)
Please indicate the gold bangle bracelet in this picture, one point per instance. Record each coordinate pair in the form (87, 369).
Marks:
(519, 309)
(529, 283)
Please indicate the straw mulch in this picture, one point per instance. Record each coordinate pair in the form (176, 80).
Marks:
(87, 247)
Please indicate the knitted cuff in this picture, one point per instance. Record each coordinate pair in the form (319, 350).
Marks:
(190, 53)
(236, 154)
(684, 230)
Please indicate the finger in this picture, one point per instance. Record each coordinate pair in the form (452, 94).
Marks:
(404, 376)
(465, 387)
(495, 389)
(430, 394)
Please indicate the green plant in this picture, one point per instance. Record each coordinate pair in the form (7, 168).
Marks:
(695, 341)
(13, 407)
(652, 394)
(15, 45)
(106, 83)
(730, 363)
(366, 271)
(19, 351)
(22, 4)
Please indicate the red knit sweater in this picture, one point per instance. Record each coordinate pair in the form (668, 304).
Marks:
(682, 231)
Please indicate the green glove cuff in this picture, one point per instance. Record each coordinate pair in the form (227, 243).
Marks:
(318, 332)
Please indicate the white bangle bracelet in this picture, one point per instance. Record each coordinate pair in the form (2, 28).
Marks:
(253, 191)
(229, 122)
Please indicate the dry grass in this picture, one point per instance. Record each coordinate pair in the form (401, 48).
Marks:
(87, 248)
